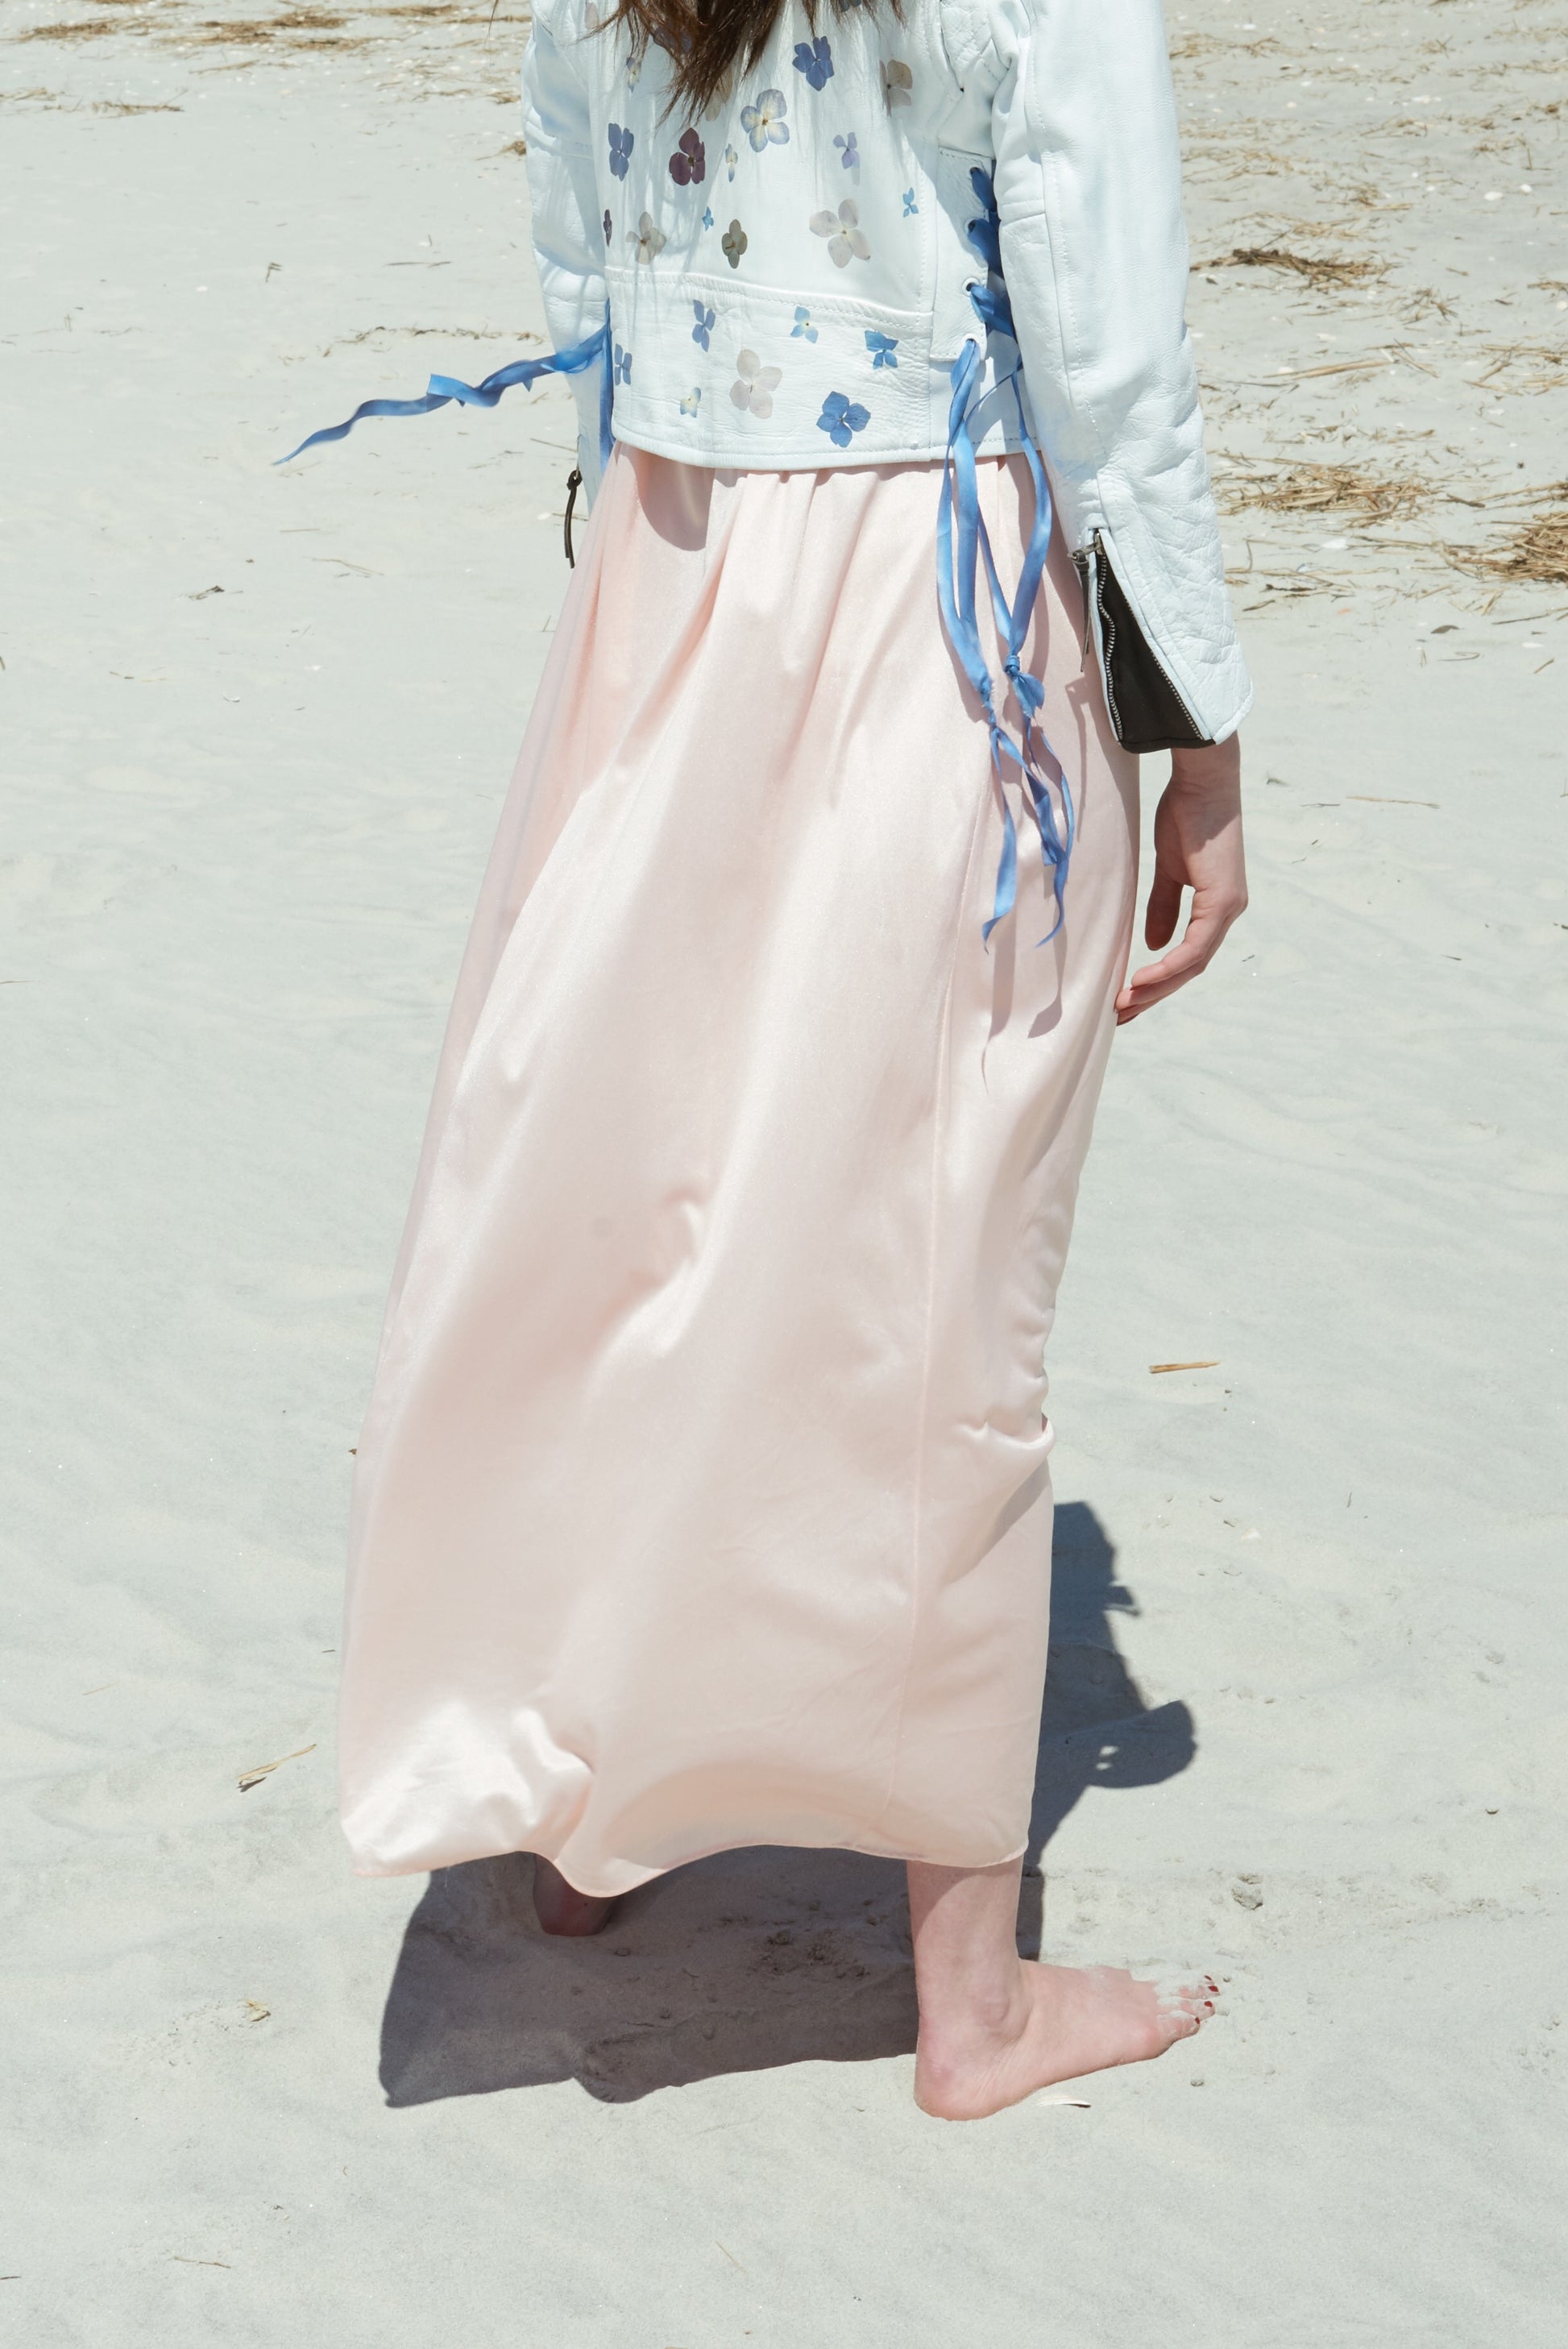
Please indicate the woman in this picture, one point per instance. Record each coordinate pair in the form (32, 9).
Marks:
(704, 1496)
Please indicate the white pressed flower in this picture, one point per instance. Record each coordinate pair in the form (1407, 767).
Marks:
(846, 238)
(648, 240)
(764, 123)
(755, 385)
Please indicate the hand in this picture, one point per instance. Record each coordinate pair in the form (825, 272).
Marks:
(1197, 846)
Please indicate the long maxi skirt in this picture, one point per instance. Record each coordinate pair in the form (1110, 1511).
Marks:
(703, 1499)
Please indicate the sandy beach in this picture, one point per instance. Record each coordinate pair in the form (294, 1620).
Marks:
(1307, 1723)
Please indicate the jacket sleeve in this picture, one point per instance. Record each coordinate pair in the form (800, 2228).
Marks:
(1094, 251)
(568, 241)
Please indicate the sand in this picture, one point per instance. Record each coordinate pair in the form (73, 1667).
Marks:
(1306, 1721)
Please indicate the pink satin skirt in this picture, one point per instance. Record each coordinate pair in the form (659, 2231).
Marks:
(704, 1498)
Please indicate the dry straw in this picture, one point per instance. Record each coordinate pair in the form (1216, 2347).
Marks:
(1314, 489)
(1534, 552)
(1318, 270)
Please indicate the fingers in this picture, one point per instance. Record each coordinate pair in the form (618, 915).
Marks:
(1199, 945)
(1164, 908)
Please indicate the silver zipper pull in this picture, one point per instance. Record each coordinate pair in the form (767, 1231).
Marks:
(1082, 563)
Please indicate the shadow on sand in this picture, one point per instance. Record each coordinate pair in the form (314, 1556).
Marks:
(753, 1958)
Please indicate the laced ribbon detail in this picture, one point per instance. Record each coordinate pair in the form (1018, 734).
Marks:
(962, 543)
(593, 351)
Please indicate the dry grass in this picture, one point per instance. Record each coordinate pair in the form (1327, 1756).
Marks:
(304, 29)
(1189, 45)
(85, 28)
(299, 25)
(302, 25)
(1534, 554)
(1319, 271)
(1547, 360)
(1314, 489)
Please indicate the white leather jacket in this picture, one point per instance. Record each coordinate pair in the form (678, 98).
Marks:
(788, 280)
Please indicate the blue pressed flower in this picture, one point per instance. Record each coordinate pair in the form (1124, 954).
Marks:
(623, 367)
(707, 215)
(910, 206)
(621, 145)
(840, 418)
(815, 60)
(882, 348)
(802, 325)
(705, 323)
(849, 155)
(692, 402)
(986, 233)
(763, 122)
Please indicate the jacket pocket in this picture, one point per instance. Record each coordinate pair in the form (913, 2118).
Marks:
(1147, 710)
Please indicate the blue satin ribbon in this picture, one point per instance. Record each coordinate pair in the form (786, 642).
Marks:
(963, 544)
(594, 350)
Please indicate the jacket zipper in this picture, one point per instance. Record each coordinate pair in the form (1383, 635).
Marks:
(1081, 562)
(1089, 562)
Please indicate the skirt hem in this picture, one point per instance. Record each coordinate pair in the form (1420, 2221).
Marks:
(639, 1876)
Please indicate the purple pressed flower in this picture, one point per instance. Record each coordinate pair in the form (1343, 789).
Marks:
(688, 165)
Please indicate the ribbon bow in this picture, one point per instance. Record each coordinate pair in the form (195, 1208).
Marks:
(963, 544)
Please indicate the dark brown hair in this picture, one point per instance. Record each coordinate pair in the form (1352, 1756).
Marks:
(704, 39)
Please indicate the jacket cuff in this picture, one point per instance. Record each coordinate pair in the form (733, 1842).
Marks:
(1145, 705)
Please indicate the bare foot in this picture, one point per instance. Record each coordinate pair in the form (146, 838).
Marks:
(562, 1908)
(1064, 2022)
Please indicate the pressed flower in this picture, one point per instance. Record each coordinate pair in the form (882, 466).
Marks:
(764, 122)
(621, 145)
(910, 206)
(815, 60)
(692, 402)
(850, 153)
(754, 384)
(840, 418)
(731, 159)
(882, 348)
(898, 83)
(649, 240)
(607, 224)
(733, 243)
(705, 323)
(802, 325)
(622, 370)
(688, 165)
(707, 215)
(846, 238)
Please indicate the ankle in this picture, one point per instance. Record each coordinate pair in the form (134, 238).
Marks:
(957, 2013)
